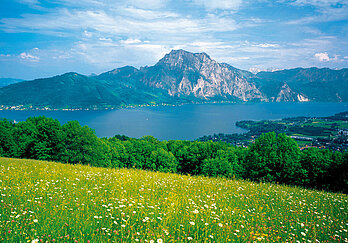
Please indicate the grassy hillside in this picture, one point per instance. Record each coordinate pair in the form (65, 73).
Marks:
(57, 202)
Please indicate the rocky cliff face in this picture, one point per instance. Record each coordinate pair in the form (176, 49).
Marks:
(183, 73)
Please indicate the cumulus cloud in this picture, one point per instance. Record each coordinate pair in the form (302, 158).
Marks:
(130, 41)
(324, 57)
(29, 57)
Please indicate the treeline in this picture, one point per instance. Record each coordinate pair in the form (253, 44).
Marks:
(271, 158)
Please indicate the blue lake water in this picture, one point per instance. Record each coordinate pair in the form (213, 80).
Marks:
(181, 122)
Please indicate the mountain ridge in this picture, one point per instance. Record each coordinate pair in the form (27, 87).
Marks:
(179, 77)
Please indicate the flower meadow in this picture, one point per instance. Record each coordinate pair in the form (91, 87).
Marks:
(53, 202)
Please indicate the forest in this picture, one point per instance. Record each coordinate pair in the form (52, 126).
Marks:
(270, 158)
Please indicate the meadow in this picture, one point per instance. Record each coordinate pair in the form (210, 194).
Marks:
(54, 202)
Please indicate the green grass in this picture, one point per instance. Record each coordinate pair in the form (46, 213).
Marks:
(74, 203)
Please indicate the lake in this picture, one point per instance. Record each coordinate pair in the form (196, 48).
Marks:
(181, 122)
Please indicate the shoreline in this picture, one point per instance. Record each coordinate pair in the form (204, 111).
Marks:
(31, 108)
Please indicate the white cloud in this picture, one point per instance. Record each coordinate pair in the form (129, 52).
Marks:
(322, 57)
(267, 45)
(87, 34)
(105, 39)
(319, 3)
(29, 57)
(219, 4)
(29, 2)
(148, 4)
(130, 41)
(146, 13)
(67, 22)
(327, 10)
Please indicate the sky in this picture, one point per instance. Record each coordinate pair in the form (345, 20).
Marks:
(42, 38)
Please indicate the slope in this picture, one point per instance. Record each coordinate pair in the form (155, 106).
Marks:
(59, 202)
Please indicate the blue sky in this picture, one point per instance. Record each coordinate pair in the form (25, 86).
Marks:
(41, 38)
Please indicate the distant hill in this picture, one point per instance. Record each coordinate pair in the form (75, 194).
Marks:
(302, 84)
(7, 81)
(179, 77)
(72, 90)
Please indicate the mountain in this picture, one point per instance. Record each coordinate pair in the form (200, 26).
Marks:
(182, 73)
(71, 90)
(179, 77)
(304, 84)
(68, 90)
(7, 81)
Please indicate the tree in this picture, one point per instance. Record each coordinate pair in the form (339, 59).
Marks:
(274, 158)
(7, 142)
(48, 138)
(25, 138)
(81, 145)
(118, 153)
(161, 160)
(224, 164)
(317, 163)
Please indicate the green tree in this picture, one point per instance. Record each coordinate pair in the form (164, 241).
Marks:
(161, 160)
(25, 138)
(7, 142)
(274, 158)
(317, 163)
(81, 145)
(118, 153)
(48, 138)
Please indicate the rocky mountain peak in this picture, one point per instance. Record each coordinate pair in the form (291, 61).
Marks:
(181, 59)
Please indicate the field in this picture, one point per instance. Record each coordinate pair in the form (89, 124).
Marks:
(54, 202)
